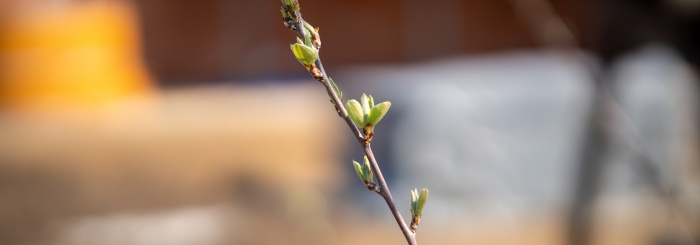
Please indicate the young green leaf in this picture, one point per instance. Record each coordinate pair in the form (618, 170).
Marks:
(371, 102)
(358, 169)
(335, 88)
(378, 112)
(304, 54)
(420, 203)
(365, 104)
(368, 171)
(355, 112)
(309, 28)
(414, 201)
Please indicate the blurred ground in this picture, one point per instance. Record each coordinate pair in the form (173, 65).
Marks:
(185, 147)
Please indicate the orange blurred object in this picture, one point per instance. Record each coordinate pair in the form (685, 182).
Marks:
(64, 53)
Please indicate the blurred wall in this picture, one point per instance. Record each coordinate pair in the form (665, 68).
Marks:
(216, 39)
(210, 40)
(190, 41)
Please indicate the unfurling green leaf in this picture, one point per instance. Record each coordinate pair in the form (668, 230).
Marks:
(335, 88)
(309, 28)
(358, 169)
(371, 102)
(355, 113)
(365, 104)
(368, 171)
(414, 199)
(418, 202)
(377, 112)
(304, 54)
(421, 201)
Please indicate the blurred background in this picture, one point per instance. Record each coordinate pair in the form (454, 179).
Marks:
(174, 122)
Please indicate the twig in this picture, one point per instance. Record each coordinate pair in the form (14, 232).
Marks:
(294, 21)
(366, 147)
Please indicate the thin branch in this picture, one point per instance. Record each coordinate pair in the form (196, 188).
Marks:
(410, 236)
(364, 143)
(343, 113)
(383, 188)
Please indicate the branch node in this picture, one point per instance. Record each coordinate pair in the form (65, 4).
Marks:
(318, 75)
(372, 187)
(369, 135)
(414, 224)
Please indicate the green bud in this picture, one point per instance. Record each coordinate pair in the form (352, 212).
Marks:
(355, 113)
(364, 171)
(304, 54)
(358, 169)
(422, 199)
(418, 202)
(377, 112)
(335, 88)
(367, 170)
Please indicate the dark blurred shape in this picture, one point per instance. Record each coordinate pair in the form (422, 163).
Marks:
(622, 25)
(590, 170)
